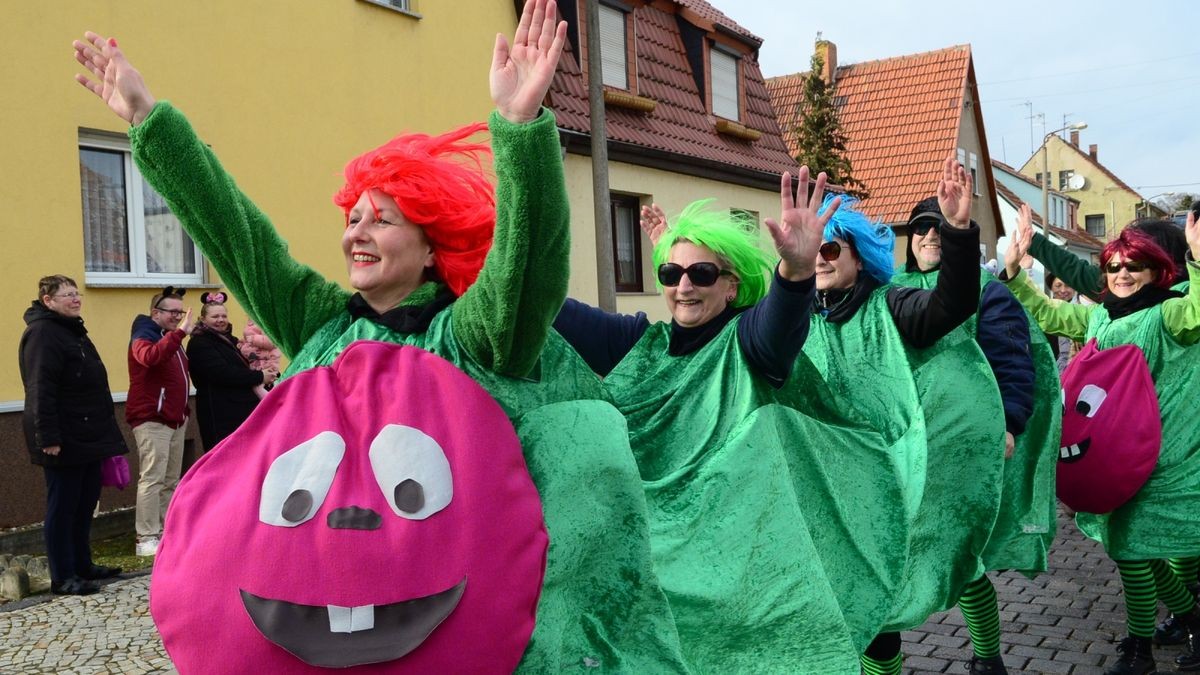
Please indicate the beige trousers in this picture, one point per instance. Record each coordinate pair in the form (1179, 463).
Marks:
(160, 455)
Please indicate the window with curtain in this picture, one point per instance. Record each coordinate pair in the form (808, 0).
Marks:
(627, 243)
(724, 84)
(1094, 225)
(129, 233)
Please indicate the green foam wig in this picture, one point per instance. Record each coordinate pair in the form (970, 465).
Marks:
(733, 238)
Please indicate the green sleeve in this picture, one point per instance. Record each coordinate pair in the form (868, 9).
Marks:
(1181, 316)
(1053, 316)
(502, 320)
(1077, 273)
(290, 301)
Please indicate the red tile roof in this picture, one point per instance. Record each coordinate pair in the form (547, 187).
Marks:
(1077, 237)
(680, 124)
(708, 13)
(901, 117)
(1103, 169)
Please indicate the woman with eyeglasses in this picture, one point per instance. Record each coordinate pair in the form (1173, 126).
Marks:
(70, 428)
(1139, 308)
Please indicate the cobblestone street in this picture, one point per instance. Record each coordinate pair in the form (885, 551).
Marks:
(1064, 621)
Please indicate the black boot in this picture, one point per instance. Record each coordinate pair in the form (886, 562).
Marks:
(1190, 659)
(1136, 657)
(1170, 632)
(992, 665)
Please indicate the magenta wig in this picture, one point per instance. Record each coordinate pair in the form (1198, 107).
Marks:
(1136, 245)
(439, 184)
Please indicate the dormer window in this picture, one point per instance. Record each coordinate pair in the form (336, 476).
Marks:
(613, 31)
(724, 77)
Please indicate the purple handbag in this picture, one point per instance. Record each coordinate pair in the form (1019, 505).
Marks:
(114, 472)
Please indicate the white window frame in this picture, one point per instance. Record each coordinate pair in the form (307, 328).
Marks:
(724, 105)
(135, 213)
(614, 71)
(974, 173)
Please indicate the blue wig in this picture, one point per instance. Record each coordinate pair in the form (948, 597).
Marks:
(872, 242)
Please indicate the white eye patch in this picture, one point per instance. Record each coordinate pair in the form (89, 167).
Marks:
(412, 471)
(1091, 398)
(298, 481)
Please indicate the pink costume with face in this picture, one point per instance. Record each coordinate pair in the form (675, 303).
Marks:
(375, 515)
(1112, 430)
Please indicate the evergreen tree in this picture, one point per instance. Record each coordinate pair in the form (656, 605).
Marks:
(821, 145)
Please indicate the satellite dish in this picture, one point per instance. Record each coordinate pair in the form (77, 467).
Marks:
(1076, 182)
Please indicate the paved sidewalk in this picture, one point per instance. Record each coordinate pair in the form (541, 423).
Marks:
(1065, 621)
(108, 632)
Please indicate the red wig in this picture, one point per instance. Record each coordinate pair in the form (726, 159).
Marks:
(451, 201)
(1137, 245)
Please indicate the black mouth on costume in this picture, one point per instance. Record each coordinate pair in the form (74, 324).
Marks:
(339, 637)
(1073, 453)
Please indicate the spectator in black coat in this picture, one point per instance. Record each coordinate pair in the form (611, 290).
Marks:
(227, 389)
(70, 429)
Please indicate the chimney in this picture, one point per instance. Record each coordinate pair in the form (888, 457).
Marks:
(1092, 152)
(828, 53)
(1075, 138)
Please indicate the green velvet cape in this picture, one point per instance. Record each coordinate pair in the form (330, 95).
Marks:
(1161, 520)
(946, 393)
(778, 523)
(1027, 519)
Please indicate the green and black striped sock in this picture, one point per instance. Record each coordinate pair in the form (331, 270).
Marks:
(1171, 591)
(978, 605)
(1137, 579)
(890, 666)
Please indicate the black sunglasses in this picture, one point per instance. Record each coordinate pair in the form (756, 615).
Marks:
(1134, 266)
(702, 274)
(830, 251)
(924, 222)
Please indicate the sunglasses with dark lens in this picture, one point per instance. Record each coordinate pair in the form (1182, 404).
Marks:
(702, 274)
(1134, 266)
(830, 251)
(922, 224)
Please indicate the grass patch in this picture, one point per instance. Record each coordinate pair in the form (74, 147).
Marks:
(118, 552)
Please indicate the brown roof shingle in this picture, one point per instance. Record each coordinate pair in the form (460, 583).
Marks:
(901, 118)
(680, 124)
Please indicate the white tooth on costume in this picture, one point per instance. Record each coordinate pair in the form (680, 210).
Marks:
(1063, 452)
(350, 619)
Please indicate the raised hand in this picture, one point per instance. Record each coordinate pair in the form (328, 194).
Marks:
(521, 74)
(1191, 230)
(799, 231)
(954, 194)
(1018, 244)
(654, 223)
(188, 324)
(116, 82)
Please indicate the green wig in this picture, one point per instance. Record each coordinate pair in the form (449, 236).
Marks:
(732, 237)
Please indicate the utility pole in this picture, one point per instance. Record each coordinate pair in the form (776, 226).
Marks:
(606, 282)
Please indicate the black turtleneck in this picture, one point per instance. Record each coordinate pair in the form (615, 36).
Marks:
(922, 316)
(405, 318)
(1147, 296)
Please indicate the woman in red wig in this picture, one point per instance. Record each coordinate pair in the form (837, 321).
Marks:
(1138, 310)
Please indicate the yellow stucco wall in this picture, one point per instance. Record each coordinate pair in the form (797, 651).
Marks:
(284, 91)
(1100, 195)
(672, 192)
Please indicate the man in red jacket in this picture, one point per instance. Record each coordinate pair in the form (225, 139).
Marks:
(157, 408)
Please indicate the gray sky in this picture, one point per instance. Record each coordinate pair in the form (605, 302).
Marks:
(1130, 70)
